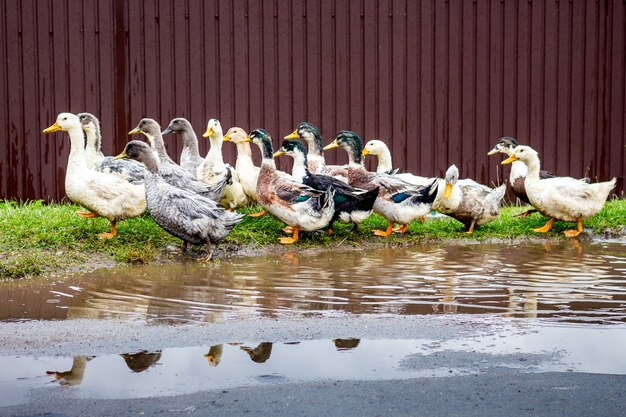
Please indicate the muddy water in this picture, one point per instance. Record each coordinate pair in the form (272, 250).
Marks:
(568, 281)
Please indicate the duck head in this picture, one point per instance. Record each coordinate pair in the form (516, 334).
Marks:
(65, 122)
(452, 176)
(505, 145)
(139, 151)
(149, 127)
(89, 122)
(213, 128)
(375, 147)
(525, 154)
(177, 126)
(236, 135)
(351, 143)
(263, 140)
(293, 148)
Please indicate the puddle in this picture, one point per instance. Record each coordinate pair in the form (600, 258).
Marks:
(567, 282)
(175, 371)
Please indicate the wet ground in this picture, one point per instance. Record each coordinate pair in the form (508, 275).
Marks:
(540, 316)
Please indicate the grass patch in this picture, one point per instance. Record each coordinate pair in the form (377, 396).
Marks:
(38, 238)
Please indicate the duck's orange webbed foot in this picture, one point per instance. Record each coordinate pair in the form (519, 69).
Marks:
(109, 235)
(574, 232)
(384, 232)
(259, 214)
(401, 229)
(290, 240)
(546, 227)
(87, 214)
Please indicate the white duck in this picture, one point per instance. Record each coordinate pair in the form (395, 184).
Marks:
(560, 198)
(379, 149)
(130, 170)
(467, 201)
(213, 169)
(106, 195)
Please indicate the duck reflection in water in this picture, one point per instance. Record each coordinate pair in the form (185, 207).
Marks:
(215, 355)
(260, 353)
(142, 360)
(75, 375)
(346, 344)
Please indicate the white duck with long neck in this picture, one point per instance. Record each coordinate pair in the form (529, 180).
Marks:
(213, 170)
(246, 170)
(379, 149)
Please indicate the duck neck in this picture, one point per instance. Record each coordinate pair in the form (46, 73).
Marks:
(215, 151)
(300, 169)
(190, 145)
(151, 164)
(93, 150)
(355, 159)
(315, 144)
(244, 154)
(156, 142)
(384, 161)
(77, 146)
(534, 166)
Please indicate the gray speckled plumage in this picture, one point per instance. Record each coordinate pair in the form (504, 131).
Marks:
(133, 171)
(185, 214)
(173, 173)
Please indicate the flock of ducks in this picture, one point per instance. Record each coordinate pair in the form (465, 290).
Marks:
(196, 200)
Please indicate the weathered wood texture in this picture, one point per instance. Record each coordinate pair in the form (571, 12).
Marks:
(439, 81)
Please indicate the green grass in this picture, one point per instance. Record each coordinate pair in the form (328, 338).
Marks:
(37, 238)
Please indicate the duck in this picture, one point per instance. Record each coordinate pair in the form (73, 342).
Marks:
(247, 172)
(132, 171)
(187, 215)
(103, 194)
(351, 205)
(298, 205)
(397, 201)
(467, 201)
(213, 169)
(379, 149)
(560, 198)
(190, 158)
(315, 155)
(171, 172)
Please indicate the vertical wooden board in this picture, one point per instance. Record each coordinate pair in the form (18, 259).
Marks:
(496, 81)
(121, 107)
(398, 136)
(284, 60)
(577, 94)
(166, 61)
(313, 63)
(355, 67)
(105, 87)
(137, 56)
(255, 66)
(468, 96)
(591, 80)
(195, 111)
(239, 72)
(145, 57)
(427, 82)
(4, 123)
(29, 137)
(297, 32)
(180, 35)
(76, 57)
(329, 105)
(90, 55)
(509, 70)
(616, 106)
(483, 85)
(385, 70)
(15, 99)
(442, 73)
(523, 71)
(547, 151)
(412, 89)
(455, 88)
(370, 69)
(537, 77)
(601, 150)
(211, 62)
(341, 67)
(270, 80)
(561, 146)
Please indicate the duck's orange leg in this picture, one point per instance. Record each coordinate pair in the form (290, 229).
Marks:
(526, 213)
(575, 232)
(401, 229)
(471, 228)
(287, 229)
(109, 235)
(546, 227)
(259, 214)
(292, 239)
(385, 232)
(87, 214)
